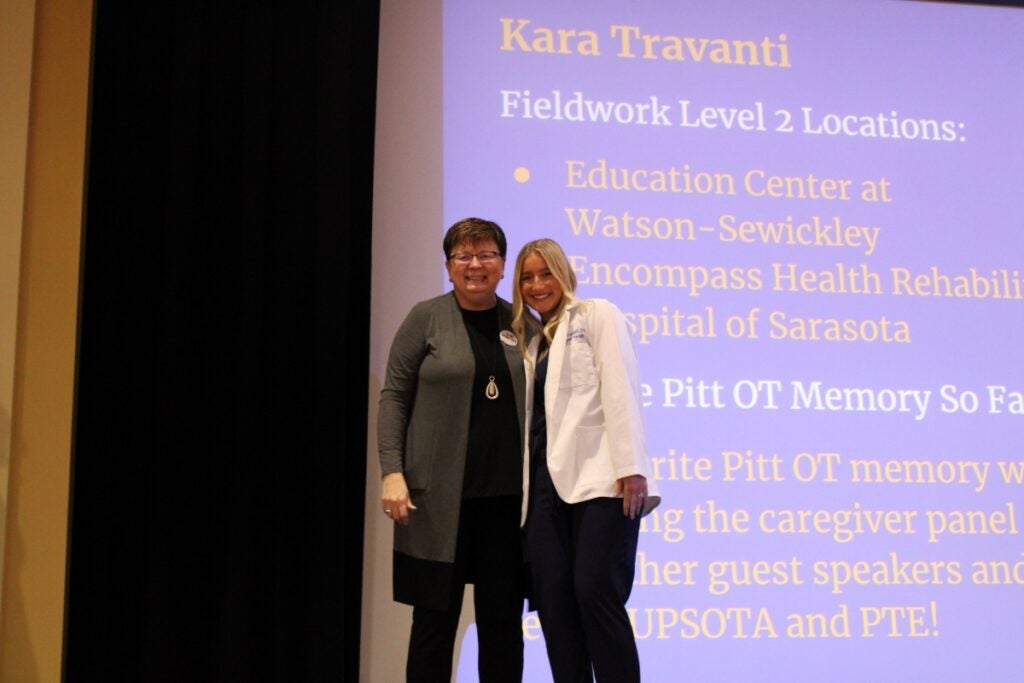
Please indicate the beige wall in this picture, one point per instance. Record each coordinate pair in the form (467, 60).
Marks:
(17, 21)
(39, 440)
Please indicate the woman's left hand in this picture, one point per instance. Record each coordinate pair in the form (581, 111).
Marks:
(634, 490)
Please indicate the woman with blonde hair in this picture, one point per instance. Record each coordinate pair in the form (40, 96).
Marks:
(586, 481)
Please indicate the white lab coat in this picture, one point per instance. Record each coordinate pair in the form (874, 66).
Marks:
(595, 429)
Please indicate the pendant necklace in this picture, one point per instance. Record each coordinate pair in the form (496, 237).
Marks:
(491, 390)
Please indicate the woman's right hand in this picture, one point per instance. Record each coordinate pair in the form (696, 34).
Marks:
(395, 497)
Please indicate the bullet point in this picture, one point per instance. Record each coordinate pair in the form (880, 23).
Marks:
(521, 174)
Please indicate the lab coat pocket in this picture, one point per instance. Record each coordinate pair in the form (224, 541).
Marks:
(581, 362)
(593, 464)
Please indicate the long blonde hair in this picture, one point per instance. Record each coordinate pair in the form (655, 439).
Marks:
(558, 264)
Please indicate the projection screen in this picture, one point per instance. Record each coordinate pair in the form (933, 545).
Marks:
(810, 214)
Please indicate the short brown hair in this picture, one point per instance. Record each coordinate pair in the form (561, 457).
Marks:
(473, 230)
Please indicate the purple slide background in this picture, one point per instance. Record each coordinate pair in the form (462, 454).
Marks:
(954, 205)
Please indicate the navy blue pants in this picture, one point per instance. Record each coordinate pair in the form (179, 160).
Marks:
(582, 558)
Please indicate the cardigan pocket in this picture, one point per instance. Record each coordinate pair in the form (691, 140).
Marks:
(419, 447)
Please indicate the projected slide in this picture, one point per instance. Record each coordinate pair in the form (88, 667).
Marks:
(810, 212)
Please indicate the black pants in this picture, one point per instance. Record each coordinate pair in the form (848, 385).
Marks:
(489, 555)
(582, 558)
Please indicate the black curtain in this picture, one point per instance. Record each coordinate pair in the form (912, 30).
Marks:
(220, 425)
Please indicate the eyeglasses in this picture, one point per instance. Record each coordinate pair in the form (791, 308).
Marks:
(484, 257)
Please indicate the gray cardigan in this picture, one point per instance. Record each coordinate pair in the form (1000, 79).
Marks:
(422, 430)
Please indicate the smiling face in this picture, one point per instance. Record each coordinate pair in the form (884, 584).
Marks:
(539, 288)
(475, 281)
